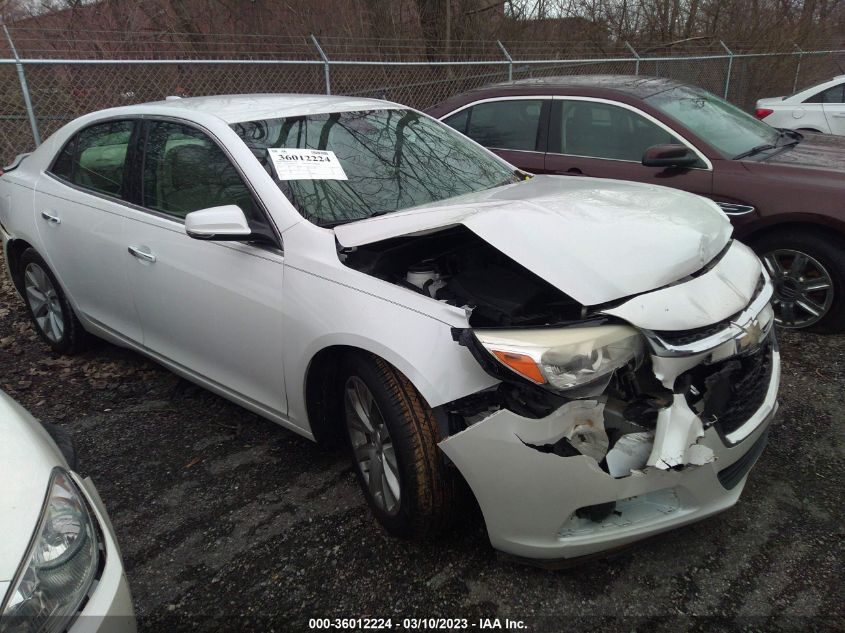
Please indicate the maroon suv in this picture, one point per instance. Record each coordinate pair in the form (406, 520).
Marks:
(784, 191)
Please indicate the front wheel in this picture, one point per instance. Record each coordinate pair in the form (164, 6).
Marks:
(393, 436)
(808, 274)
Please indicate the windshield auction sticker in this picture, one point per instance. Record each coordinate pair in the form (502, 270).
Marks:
(306, 164)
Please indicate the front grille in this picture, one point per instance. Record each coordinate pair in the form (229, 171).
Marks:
(685, 337)
(727, 394)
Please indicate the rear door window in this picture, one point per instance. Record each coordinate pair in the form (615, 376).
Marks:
(508, 124)
(831, 95)
(95, 158)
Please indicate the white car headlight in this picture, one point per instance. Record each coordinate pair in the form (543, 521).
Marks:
(578, 362)
(60, 566)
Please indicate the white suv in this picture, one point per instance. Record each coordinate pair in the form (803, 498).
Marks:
(595, 358)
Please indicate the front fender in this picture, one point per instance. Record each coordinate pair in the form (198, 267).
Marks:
(321, 313)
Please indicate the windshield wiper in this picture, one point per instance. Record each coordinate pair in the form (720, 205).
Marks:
(330, 224)
(755, 150)
(796, 137)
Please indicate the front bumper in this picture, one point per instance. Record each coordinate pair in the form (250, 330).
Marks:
(529, 498)
(109, 606)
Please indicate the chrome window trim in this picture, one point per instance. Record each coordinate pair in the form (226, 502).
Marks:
(708, 165)
(492, 99)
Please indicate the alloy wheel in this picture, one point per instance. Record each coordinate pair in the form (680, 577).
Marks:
(372, 445)
(44, 302)
(803, 288)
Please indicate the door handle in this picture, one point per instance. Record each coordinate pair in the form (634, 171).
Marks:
(574, 171)
(145, 255)
(53, 219)
(839, 115)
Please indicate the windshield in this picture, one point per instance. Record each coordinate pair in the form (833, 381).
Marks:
(723, 125)
(389, 160)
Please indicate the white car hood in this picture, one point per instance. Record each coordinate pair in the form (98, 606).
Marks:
(27, 457)
(596, 240)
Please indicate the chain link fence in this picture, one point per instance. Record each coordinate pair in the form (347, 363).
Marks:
(39, 94)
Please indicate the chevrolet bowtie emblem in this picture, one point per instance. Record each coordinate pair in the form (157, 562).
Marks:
(752, 336)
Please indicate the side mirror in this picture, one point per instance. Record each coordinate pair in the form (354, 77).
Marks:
(669, 155)
(218, 223)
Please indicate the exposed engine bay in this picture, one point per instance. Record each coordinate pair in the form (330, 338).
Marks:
(458, 267)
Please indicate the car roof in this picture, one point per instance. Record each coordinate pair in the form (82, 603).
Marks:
(252, 107)
(638, 86)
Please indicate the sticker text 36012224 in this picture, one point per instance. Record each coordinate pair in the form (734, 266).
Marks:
(306, 164)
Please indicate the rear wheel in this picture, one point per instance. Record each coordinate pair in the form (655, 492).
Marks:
(48, 306)
(393, 437)
(808, 273)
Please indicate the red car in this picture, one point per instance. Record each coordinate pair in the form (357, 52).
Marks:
(784, 190)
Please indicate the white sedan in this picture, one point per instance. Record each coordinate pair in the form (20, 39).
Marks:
(595, 358)
(820, 108)
(60, 568)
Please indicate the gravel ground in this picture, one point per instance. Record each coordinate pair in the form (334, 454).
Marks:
(227, 521)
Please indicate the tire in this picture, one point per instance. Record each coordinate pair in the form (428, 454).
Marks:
(65, 443)
(428, 487)
(54, 319)
(822, 257)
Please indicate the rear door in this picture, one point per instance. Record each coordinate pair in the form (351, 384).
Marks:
(515, 128)
(80, 203)
(603, 139)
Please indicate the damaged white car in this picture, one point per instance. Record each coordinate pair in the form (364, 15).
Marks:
(595, 358)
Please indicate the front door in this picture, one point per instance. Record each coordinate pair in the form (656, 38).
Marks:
(213, 308)
(606, 140)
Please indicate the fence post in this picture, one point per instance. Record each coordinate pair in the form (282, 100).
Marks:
(730, 67)
(325, 64)
(33, 122)
(507, 57)
(797, 68)
(637, 67)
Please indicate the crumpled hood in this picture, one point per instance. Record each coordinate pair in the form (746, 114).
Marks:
(27, 458)
(819, 151)
(594, 239)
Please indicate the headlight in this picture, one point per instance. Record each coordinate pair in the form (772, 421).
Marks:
(578, 362)
(60, 566)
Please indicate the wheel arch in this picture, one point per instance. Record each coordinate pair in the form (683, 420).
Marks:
(14, 250)
(320, 383)
(807, 224)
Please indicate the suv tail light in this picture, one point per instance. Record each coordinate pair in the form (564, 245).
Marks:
(762, 113)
